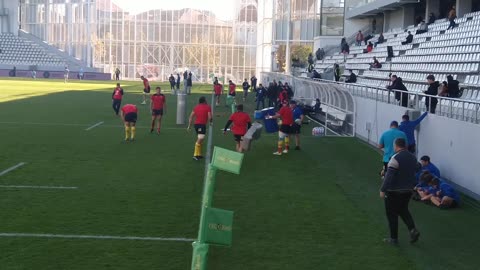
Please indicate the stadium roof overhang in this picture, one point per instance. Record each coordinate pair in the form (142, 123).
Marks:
(376, 7)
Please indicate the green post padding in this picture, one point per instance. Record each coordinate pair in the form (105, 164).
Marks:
(230, 100)
(218, 227)
(227, 160)
(200, 252)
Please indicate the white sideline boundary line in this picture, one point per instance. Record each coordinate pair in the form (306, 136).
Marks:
(85, 125)
(96, 237)
(12, 168)
(37, 187)
(96, 125)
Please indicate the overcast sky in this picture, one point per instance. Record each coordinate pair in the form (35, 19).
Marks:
(223, 9)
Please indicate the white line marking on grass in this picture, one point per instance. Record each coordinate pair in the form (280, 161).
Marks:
(85, 125)
(45, 124)
(96, 125)
(97, 237)
(38, 187)
(12, 168)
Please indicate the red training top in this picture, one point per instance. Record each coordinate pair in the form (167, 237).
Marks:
(117, 93)
(158, 100)
(201, 113)
(146, 84)
(129, 108)
(232, 87)
(287, 115)
(240, 123)
(283, 95)
(218, 89)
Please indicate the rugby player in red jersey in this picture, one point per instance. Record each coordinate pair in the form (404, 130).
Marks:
(129, 117)
(203, 115)
(286, 114)
(146, 89)
(117, 96)
(158, 106)
(217, 88)
(241, 123)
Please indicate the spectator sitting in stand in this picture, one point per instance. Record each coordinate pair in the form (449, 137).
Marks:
(352, 78)
(320, 54)
(422, 28)
(444, 89)
(381, 39)
(367, 38)
(369, 47)
(409, 39)
(376, 63)
(397, 84)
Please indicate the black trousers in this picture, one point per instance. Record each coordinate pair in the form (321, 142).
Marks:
(452, 24)
(431, 104)
(396, 204)
(116, 105)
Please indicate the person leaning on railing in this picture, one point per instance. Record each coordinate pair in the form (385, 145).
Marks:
(432, 90)
(397, 84)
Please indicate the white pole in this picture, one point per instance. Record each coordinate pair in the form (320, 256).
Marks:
(287, 51)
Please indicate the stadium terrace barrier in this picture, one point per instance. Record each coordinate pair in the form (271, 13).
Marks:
(56, 74)
(337, 112)
(459, 109)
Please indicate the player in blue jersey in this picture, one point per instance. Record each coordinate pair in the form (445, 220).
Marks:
(297, 122)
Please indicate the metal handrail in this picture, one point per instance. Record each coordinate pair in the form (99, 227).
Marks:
(450, 111)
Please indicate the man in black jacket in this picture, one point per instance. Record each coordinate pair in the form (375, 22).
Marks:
(271, 94)
(432, 90)
(397, 190)
(453, 87)
(352, 78)
(409, 39)
(397, 84)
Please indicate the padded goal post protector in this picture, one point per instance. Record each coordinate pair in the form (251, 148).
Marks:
(218, 227)
(227, 160)
(200, 252)
(253, 133)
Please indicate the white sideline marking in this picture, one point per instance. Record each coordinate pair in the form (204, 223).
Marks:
(85, 125)
(107, 237)
(12, 168)
(96, 125)
(38, 187)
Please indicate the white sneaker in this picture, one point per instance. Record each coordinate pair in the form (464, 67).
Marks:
(285, 151)
(276, 153)
(143, 103)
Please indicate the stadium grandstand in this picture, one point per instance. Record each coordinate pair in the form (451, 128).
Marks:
(75, 193)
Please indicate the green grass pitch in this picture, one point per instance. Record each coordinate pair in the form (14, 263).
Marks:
(313, 209)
